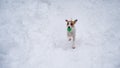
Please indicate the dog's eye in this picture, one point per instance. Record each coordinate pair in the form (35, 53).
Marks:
(71, 24)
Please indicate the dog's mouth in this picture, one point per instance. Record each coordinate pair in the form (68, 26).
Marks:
(69, 29)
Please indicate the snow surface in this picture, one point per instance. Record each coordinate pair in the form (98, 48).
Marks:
(33, 34)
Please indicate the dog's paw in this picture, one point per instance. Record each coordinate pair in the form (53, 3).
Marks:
(69, 39)
(73, 47)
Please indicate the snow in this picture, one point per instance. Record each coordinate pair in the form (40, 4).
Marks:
(33, 34)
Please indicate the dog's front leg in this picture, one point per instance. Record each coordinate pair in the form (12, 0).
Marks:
(69, 38)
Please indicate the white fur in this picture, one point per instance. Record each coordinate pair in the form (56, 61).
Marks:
(71, 35)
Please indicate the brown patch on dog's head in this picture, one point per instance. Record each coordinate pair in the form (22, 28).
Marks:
(71, 23)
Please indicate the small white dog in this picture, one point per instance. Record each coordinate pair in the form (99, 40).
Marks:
(71, 31)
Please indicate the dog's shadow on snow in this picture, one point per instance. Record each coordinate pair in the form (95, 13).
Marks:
(66, 45)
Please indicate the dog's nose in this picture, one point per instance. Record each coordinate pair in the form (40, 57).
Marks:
(68, 26)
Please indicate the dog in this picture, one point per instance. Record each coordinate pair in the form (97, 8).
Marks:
(71, 31)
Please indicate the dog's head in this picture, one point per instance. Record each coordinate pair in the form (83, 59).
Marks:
(71, 23)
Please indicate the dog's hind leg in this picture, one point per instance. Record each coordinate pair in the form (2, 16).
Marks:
(73, 45)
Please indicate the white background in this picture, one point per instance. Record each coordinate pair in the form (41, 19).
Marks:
(33, 34)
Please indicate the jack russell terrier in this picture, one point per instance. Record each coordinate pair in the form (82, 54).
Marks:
(71, 31)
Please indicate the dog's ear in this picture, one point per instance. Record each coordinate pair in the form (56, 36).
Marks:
(66, 20)
(75, 21)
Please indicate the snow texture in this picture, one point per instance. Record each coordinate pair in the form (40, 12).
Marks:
(33, 34)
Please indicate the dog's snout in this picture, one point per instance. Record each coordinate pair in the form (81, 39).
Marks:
(68, 26)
